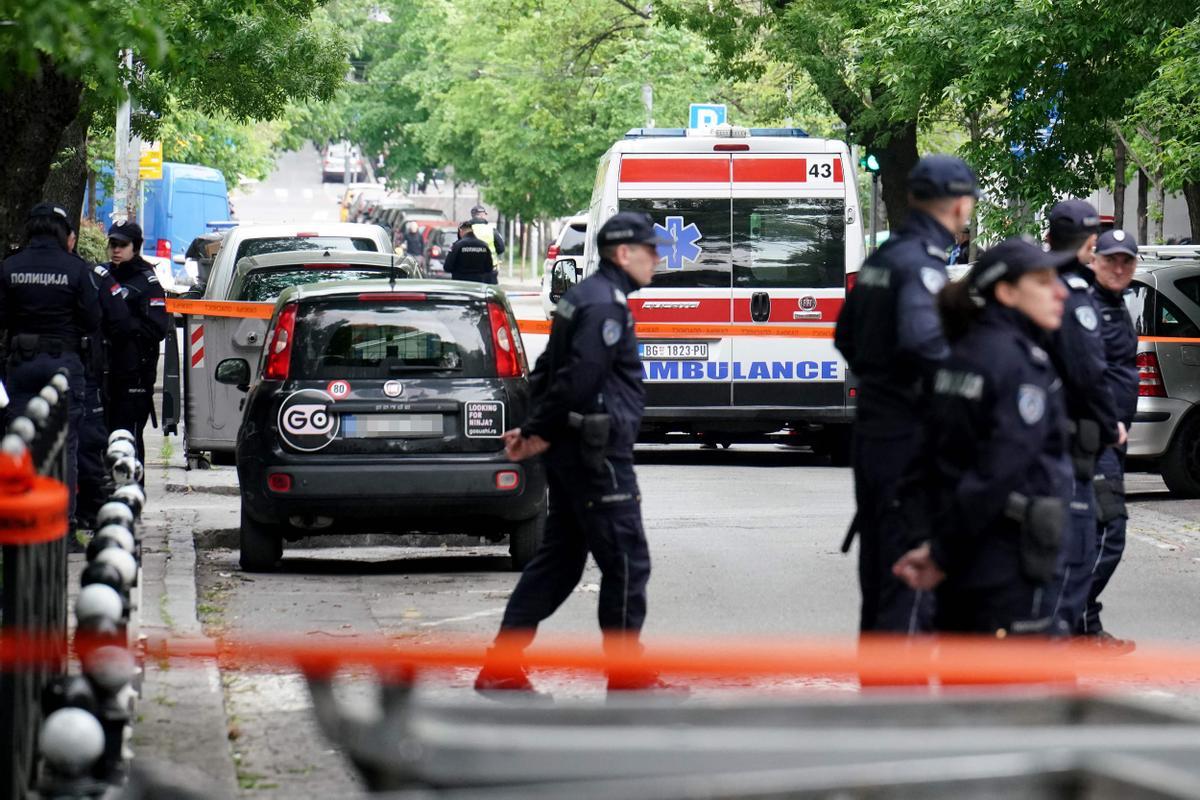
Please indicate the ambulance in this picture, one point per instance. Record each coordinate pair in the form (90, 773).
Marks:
(736, 328)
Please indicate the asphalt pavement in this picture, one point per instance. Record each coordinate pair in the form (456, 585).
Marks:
(744, 543)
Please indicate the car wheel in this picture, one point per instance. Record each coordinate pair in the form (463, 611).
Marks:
(525, 539)
(262, 545)
(835, 441)
(224, 458)
(1181, 463)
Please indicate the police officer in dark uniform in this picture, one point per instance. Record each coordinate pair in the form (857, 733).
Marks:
(470, 259)
(48, 305)
(1078, 352)
(93, 432)
(588, 400)
(1114, 263)
(891, 336)
(134, 356)
(996, 467)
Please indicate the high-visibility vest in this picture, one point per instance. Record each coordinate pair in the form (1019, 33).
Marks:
(485, 233)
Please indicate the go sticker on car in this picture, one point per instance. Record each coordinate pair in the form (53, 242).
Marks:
(305, 421)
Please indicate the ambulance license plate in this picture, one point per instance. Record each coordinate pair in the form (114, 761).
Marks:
(684, 351)
(391, 426)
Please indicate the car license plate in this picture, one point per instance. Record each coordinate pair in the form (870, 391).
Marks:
(687, 351)
(391, 426)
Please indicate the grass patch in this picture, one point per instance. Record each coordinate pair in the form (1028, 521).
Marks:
(167, 450)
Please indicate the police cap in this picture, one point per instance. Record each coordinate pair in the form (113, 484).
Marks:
(477, 210)
(45, 209)
(125, 232)
(631, 227)
(1072, 218)
(1011, 259)
(1116, 241)
(941, 175)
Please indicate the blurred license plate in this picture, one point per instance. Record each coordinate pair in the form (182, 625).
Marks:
(408, 426)
(680, 350)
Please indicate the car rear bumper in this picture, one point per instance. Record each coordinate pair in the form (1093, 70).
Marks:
(1154, 425)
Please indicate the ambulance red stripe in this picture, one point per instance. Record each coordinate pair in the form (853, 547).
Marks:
(770, 170)
(783, 309)
(675, 170)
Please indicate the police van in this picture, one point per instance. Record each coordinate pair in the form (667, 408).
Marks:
(736, 328)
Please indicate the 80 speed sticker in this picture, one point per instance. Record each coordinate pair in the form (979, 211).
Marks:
(306, 422)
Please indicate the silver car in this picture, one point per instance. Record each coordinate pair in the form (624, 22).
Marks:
(1164, 301)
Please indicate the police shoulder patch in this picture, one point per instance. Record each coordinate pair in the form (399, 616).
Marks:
(1031, 403)
(933, 279)
(151, 278)
(619, 296)
(610, 332)
(565, 308)
(99, 270)
(1086, 316)
(937, 252)
(1076, 282)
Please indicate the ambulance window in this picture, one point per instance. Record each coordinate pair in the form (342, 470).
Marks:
(784, 243)
(701, 258)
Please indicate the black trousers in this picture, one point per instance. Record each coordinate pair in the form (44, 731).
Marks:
(1111, 538)
(888, 605)
(130, 396)
(1017, 607)
(600, 515)
(93, 442)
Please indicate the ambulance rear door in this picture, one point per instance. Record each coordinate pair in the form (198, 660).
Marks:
(689, 195)
(789, 251)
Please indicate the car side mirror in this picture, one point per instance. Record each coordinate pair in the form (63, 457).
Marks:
(235, 372)
(179, 258)
(563, 275)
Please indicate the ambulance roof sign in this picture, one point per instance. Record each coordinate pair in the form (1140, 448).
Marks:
(702, 116)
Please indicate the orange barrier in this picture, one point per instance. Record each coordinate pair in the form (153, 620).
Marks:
(220, 308)
(880, 660)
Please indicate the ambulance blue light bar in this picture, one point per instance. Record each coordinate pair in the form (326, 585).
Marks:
(680, 133)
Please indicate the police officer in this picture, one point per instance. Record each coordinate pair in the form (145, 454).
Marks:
(134, 356)
(1114, 263)
(588, 400)
(891, 336)
(1078, 352)
(469, 258)
(93, 432)
(996, 481)
(48, 305)
(486, 232)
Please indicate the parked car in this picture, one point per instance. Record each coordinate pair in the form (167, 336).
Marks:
(569, 244)
(334, 163)
(351, 192)
(1164, 301)
(382, 410)
(438, 241)
(363, 201)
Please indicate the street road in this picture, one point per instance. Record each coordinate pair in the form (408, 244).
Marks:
(744, 544)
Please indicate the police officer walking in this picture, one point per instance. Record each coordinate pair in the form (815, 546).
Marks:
(486, 232)
(588, 401)
(995, 475)
(891, 336)
(469, 258)
(134, 356)
(1114, 263)
(1078, 352)
(48, 305)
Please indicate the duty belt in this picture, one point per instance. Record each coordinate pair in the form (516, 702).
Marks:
(42, 344)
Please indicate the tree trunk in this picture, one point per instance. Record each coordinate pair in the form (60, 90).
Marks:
(896, 159)
(36, 110)
(1160, 203)
(1143, 193)
(67, 182)
(1191, 192)
(1119, 183)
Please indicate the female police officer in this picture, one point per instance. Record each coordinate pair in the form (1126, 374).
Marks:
(996, 473)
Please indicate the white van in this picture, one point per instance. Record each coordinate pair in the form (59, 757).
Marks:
(736, 328)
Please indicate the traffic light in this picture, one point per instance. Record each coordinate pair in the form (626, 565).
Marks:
(869, 161)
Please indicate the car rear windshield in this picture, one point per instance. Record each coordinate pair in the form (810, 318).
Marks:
(573, 240)
(283, 244)
(348, 339)
(264, 285)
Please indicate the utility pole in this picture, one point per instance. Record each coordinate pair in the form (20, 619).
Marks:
(648, 102)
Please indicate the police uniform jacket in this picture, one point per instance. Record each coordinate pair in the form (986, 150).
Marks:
(137, 352)
(115, 319)
(45, 290)
(997, 426)
(469, 258)
(590, 365)
(1120, 353)
(1078, 352)
(889, 330)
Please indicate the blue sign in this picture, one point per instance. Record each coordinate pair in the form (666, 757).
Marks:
(683, 246)
(705, 115)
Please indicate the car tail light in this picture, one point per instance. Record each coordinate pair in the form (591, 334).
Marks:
(1150, 383)
(162, 248)
(552, 251)
(279, 482)
(851, 279)
(278, 354)
(435, 252)
(508, 364)
(384, 296)
(507, 480)
(853, 392)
